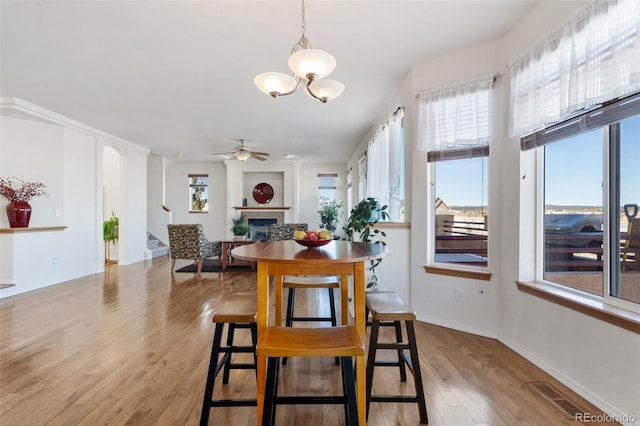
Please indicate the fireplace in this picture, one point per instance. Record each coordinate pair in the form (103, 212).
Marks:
(260, 229)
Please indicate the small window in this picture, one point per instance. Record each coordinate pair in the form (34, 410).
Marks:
(362, 176)
(198, 193)
(461, 210)
(327, 187)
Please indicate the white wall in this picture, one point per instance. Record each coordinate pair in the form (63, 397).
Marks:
(594, 358)
(67, 157)
(157, 217)
(434, 295)
(134, 208)
(214, 222)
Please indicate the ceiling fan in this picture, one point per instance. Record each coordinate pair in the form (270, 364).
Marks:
(242, 153)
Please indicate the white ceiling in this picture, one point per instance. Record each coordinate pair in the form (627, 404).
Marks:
(177, 76)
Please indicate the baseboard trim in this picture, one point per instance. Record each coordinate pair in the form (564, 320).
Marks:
(567, 381)
(455, 326)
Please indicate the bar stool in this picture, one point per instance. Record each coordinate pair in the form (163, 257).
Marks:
(292, 282)
(341, 341)
(239, 312)
(388, 310)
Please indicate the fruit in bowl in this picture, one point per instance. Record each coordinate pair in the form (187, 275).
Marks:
(313, 238)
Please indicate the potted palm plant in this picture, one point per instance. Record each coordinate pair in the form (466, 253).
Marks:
(239, 228)
(110, 233)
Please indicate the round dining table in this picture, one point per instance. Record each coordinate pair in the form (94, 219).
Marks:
(279, 258)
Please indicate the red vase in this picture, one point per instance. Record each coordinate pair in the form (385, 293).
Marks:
(18, 213)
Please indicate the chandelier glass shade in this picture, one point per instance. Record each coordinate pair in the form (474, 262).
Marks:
(309, 67)
(275, 82)
(312, 62)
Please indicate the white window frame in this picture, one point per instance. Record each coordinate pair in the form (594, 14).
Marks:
(191, 186)
(606, 298)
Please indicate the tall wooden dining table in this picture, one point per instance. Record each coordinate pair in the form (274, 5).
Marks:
(279, 258)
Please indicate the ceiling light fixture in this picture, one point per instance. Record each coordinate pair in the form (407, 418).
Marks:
(242, 155)
(309, 67)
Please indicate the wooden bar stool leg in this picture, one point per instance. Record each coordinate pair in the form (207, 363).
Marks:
(349, 388)
(290, 307)
(371, 359)
(401, 364)
(291, 300)
(417, 375)
(211, 375)
(332, 307)
(334, 322)
(227, 365)
(271, 388)
(253, 327)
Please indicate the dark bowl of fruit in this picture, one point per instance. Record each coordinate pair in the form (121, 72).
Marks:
(311, 239)
(313, 243)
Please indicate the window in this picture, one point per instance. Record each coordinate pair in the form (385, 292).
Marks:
(461, 210)
(362, 177)
(327, 187)
(584, 76)
(589, 172)
(384, 172)
(454, 129)
(349, 190)
(198, 193)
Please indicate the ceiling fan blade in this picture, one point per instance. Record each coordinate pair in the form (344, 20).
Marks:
(223, 153)
(256, 156)
(261, 153)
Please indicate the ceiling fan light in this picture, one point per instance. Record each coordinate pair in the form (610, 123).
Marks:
(312, 61)
(329, 89)
(274, 83)
(242, 155)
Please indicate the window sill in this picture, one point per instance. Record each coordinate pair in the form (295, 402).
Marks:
(390, 225)
(597, 309)
(457, 272)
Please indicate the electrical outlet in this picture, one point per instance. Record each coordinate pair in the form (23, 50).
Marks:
(55, 260)
(58, 212)
(459, 295)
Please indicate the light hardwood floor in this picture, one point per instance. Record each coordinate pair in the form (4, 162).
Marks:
(131, 346)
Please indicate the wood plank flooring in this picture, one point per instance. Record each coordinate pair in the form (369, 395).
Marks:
(131, 347)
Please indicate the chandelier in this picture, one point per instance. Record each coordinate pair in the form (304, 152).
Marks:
(309, 67)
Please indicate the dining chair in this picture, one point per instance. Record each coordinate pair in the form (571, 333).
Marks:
(189, 242)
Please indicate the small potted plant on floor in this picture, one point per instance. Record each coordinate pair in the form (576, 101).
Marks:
(239, 228)
(110, 234)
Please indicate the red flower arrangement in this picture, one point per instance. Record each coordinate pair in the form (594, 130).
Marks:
(16, 189)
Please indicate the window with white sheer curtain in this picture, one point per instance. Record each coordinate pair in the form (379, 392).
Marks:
(454, 127)
(581, 85)
(594, 57)
(455, 116)
(378, 166)
(385, 166)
